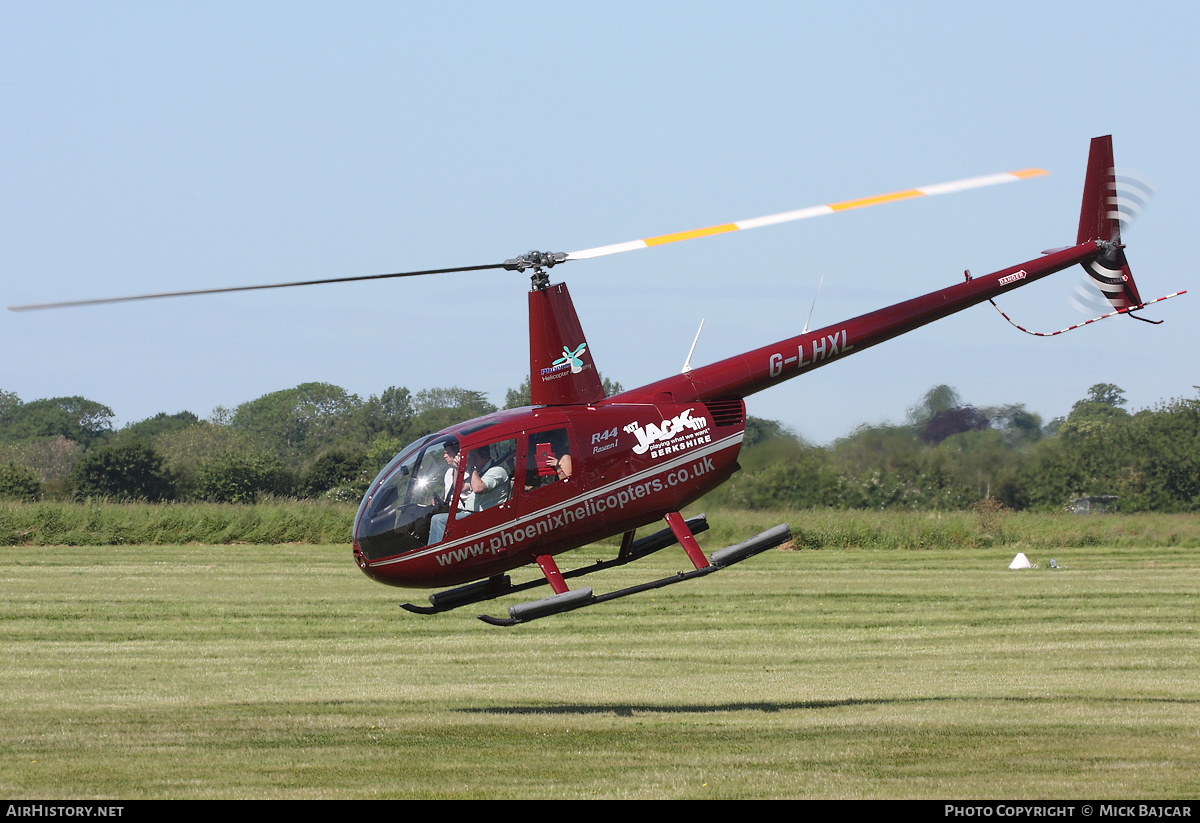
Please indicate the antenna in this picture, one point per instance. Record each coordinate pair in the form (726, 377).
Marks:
(814, 305)
(687, 364)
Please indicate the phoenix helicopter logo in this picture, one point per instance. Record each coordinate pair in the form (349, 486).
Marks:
(572, 357)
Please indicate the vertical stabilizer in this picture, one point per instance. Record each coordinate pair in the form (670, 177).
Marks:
(561, 370)
(1099, 221)
(1099, 187)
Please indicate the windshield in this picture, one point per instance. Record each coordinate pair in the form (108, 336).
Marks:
(394, 516)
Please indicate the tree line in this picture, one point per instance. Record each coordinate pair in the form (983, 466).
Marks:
(319, 441)
(313, 441)
(310, 441)
(950, 455)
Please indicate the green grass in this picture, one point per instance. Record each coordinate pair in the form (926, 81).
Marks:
(97, 523)
(280, 671)
(101, 523)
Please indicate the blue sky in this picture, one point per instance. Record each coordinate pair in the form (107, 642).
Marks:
(167, 146)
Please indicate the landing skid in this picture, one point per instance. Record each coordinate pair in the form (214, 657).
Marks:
(500, 586)
(581, 598)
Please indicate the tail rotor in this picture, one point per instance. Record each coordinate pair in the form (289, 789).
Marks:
(1108, 281)
(1112, 198)
(1131, 194)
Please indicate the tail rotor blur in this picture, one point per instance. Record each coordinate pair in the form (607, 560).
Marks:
(1106, 283)
(1131, 194)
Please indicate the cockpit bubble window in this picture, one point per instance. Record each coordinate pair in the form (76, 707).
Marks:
(392, 482)
(433, 475)
(394, 516)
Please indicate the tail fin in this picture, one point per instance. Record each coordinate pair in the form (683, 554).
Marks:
(1099, 221)
(561, 370)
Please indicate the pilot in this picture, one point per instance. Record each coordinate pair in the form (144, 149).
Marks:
(437, 525)
(453, 457)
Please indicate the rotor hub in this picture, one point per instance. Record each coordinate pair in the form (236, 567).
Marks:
(539, 261)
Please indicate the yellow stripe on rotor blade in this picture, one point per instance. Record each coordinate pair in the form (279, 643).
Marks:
(876, 200)
(813, 211)
(688, 235)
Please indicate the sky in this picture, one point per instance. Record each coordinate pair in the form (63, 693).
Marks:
(150, 147)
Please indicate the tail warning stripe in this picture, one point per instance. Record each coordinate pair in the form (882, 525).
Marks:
(1125, 310)
(812, 211)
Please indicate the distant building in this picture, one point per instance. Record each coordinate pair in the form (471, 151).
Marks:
(1096, 504)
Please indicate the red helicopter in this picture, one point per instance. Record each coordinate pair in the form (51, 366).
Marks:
(463, 507)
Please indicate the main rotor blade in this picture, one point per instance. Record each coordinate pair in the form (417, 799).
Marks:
(812, 211)
(599, 251)
(68, 303)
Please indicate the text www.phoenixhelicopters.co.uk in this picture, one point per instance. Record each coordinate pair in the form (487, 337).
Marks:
(590, 507)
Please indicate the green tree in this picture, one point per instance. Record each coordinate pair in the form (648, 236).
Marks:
(937, 400)
(1106, 394)
(50, 458)
(236, 476)
(451, 398)
(871, 449)
(977, 460)
(805, 479)
(191, 455)
(1158, 463)
(8, 403)
(438, 409)
(519, 397)
(388, 414)
(297, 423)
(760, 431)
(154, 427)
(336, 468)
(1101, 407)
(75, 418)
(1019, 426)
(381, 451)
(523, 396)
(127, 472)
(1100, 449)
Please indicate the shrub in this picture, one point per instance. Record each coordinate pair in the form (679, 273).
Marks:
(18, 483)
(130, 472)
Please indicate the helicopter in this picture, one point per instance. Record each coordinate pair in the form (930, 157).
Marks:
(459, 509)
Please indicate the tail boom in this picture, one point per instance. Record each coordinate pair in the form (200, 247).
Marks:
(748, 373)
(1098, 249)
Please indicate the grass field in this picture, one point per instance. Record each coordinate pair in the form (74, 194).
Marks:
(280, 671)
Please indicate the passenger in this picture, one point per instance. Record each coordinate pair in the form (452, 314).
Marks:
(561, 465)
(484, 486)
(549, 459)
(489, 483)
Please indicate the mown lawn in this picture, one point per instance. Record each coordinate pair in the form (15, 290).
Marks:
(280, 671)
